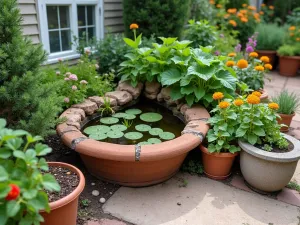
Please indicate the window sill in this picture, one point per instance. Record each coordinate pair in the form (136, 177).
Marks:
(64, 57)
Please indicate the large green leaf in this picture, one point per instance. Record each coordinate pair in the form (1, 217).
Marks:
(130, 42)
(181, 60)
(226, 79)
(170, 76)
(168, 41)
(259, 131)
(186, 90)
(203, 72)
(2, 123)
(252, 139)
(202, 58)
(175, 93)
(199, 92)
(12, 208)
(3, 174)
(190, 99)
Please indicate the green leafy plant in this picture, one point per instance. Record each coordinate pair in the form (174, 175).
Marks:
(293, 185)
(201, 10)
(287, 50)
(294, 17)
(127, 123)
(226, 40)
(106, 108)
(192, 166)
(270, 36)
(288, 103)
(23, 177)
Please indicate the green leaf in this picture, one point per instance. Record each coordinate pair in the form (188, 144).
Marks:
(4, 189)
(43, 165)
(12, 208)
(3, 217)
(14, 144)
(202, 58)
(211, 138)
(40, 202)
(168, 41)
(252, 139)
(226, 79)
(208, 97)
(190, 99)
(19, 154)
(3, 174)
(233, 149)
(220, 142)
(175, 93)
(257, 122)
(2, 123)
(29, 155)
(199, 92)
(130, 42)
(187, 90)
(42, 149)
(203, 72)
(170, 76)
(259, 131)
(240, 132)
(5, 153)
(30, 194)
(50, 183)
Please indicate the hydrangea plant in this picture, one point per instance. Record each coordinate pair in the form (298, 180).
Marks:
(23, 177)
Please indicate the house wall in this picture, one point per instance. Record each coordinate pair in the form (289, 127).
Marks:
(113, 16)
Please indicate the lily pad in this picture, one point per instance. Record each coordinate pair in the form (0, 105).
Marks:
(119, 115)
(109, 120)
(115, 134)
(129, 116)
(98, 136)
(144, 143)
(151, 117)
(142, 127)
(118, 127)
(167, 136)
(154, 141)
(133, 111)
(155, 131)
(96, 129)
(133, 135)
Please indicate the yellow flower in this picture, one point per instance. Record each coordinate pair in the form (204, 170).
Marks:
(256, 93)
(268, 66)
(273, 105)
(263, 5)
(242, 63)
(271, 7)
(265, 59)
(238, 102)
(292, 28)
(292, 34)
(244, 19)
(233, 23)
(219, 6)
(251, 7)
(297, 39)
(259, 68)
(244, 5)
(253, 54)
(226, 15)
(232, 11)
(133, 26)
(253, 99)
(261, 13)
(240, 15)
(230, 63)
(243, 11)
(212, 2)
(218, 95)
(232, 54)
(224, 105)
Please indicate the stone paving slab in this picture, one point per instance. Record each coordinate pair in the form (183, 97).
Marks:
(105, 222)
(201, 202)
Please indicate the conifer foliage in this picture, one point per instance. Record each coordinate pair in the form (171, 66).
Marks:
(26, 101)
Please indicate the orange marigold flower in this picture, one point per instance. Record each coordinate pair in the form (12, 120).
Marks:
(133, 26)
(240, 15)
(256, 93)
(232, 11)
(244, 11)
(268, 66)
(265, 59)
(259, 68)
(271, 7)
(224, 105)
(263, 5)
(253, 99)
(261, 13)
(252, 7)
(230, 63)
(226, 16)
(219, 6)
(253, 54)
(244, 5)
(273, 105)
(242, 64)
(232, 54)
(238, 102)
(244, 19)
(292, 28)
(292, 34)
(297, 39)
(218, 95)
(233, 23)
(212, 2)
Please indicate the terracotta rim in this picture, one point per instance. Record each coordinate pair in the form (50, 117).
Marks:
(69, 198)
(286, 115)
(290, 57)
(220, 155)
(266, 51)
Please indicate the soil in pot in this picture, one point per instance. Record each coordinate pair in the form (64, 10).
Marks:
(275, 148)
(288, 66)
(217, 165)
(285, 119)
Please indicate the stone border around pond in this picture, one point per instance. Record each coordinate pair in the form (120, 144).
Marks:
(132, 165)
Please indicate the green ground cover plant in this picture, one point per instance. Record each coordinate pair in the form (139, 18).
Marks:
(289, 102)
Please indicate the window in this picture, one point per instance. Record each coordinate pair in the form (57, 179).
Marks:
(60, 20)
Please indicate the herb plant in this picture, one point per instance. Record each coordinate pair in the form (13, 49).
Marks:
(106, 109)
(288, 103)
(23, 184)
(287, 50)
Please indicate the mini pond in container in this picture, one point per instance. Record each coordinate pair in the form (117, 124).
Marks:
(146, 123)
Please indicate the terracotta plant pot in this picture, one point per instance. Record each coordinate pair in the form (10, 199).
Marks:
(64, 211)
(217, 165)
(285, 119)
(289, 65)
(268, 171)
(271, 54)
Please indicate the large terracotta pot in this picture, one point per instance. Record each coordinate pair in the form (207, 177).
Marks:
(217, 165)
(286, 120)
(268, 171)
(64, 211)
(271, 54)
(289, 65)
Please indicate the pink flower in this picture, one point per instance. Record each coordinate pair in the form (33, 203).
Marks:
(74, 87)
(66, 100)
(97, 66)
(87, 52)
(57, 73)
(60, 60)
(66, 78)
(83, 82)
(73, 77)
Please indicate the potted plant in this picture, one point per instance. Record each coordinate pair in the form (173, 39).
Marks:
(269, 39)
(222, 149)
(289, 60)
(26, 183)
(268, 158)
(288, 103)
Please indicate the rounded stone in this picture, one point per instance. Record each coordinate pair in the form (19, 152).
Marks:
(95, 193)
(102, 200)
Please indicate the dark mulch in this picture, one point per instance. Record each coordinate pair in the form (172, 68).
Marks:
(89, 205)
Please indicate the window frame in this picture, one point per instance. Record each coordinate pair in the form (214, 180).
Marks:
(44, 31)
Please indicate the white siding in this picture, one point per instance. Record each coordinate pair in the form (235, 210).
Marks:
(113, 16)
(30, 20)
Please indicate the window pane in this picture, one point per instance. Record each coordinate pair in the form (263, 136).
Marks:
(52, 17)
(81, 15)
(91, 33)
(64, 16)
(54, 41)
(66, 40)
(90, 15)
